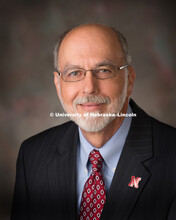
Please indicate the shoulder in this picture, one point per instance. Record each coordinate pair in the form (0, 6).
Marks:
(50, 132)
(162, 127)
(157, 129)
(163, 134)
(143, 116)
(49, 138)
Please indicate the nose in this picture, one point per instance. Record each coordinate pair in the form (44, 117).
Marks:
(90, 84)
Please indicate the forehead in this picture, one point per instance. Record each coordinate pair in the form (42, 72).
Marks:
(90, 44)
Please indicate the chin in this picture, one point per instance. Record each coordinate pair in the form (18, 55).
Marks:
(93, 124)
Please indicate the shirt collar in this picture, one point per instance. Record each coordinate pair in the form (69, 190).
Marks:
(112, 149)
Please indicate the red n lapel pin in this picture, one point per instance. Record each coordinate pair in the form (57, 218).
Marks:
(135, 182)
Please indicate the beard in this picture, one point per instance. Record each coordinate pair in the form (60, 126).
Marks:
(96, 123)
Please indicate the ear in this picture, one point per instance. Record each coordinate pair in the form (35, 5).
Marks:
(131, 78)
(57, 83)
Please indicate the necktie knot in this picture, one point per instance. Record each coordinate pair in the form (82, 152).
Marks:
(96, 160)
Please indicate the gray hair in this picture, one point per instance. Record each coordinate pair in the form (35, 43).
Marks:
(119, 35)
(124, 45)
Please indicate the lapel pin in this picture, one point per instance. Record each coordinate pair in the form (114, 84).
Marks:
(135, 182)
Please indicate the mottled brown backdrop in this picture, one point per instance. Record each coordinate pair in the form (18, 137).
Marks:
(28, 32)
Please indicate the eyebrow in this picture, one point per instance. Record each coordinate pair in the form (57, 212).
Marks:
(102, 63)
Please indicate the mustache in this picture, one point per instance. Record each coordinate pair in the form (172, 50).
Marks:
(93, 98)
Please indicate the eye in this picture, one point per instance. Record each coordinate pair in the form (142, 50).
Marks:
(74, 73)
(103, 71)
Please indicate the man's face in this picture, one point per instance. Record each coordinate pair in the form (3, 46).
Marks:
(86, 48)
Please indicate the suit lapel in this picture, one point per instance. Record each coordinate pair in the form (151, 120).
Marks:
(62, 176)
(136, 153)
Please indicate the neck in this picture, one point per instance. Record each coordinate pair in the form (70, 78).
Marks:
(98, 139)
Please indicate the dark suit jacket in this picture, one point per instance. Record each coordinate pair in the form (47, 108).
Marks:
(46, 174)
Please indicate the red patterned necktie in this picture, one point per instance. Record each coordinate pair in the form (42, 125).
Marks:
(93, 196)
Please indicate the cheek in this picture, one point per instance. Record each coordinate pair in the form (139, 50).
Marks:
(68, 92)
(112, 88)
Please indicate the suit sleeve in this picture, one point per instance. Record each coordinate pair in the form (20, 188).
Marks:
(172, 212)
(20, 204)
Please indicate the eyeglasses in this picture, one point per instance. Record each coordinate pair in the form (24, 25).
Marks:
(101, 72)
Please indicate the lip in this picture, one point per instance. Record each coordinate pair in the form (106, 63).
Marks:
(91, 106)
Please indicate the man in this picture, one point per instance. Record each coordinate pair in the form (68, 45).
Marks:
(106, 167)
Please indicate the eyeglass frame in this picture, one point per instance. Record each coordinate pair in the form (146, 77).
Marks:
(91, 70)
